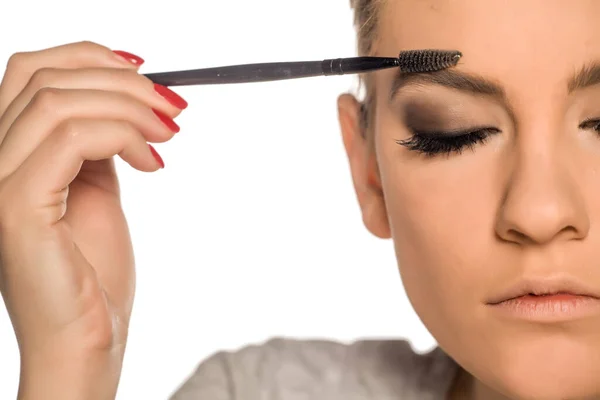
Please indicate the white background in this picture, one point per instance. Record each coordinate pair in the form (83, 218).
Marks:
(252, 230)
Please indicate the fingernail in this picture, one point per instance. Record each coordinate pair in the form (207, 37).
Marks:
(128, 57)
(157, 156)
(171, 96)
(167, 121)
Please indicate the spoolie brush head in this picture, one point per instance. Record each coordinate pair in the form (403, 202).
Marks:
(413, 61)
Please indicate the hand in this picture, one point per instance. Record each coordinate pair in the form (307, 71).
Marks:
(66, 260)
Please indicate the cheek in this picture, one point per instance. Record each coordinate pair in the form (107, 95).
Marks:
(442, 214)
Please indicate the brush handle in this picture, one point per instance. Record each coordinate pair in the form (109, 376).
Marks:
(272, 71)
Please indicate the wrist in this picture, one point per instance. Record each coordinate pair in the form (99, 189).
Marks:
(68, 375)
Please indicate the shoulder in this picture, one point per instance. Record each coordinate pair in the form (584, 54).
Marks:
(284, 368)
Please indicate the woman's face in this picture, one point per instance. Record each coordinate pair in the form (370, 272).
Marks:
(518, 202)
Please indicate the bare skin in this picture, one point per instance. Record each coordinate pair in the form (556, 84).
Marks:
(67, 273)
(520, 204)
(523, 204)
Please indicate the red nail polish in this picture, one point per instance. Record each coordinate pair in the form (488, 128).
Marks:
(131, 58)
(167, 121)
(171, 96)
(157, 156)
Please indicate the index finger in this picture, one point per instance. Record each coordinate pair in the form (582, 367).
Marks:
(22, 66)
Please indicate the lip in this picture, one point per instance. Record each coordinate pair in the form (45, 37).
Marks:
(548, 300)
(546, 286)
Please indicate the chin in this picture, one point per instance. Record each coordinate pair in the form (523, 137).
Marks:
(550, 389)
(545, 369)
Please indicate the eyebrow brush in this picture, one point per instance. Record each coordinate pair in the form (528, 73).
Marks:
(410, 61)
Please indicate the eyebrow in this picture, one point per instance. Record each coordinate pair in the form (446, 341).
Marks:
(452, 79)
(587, 76)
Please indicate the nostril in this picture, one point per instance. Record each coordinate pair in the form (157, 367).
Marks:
(515, 236)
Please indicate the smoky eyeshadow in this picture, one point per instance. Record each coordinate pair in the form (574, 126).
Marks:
(422, 116)
(429, 117)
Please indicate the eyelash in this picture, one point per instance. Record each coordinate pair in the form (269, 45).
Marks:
(432, 144)
(591, 124)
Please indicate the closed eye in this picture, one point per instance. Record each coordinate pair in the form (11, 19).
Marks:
(593, 124)
(449, 142)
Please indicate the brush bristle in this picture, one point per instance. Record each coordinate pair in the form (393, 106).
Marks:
(413, 61)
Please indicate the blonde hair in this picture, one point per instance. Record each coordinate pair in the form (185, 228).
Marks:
(366, 18)
(366, 22)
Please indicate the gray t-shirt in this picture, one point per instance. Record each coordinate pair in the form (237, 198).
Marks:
(287, 369)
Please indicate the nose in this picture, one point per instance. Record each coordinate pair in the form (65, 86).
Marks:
(542, 200)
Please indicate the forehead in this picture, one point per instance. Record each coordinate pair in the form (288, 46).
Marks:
(518, 42)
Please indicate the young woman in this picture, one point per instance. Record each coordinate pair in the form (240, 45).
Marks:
(485, 176)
